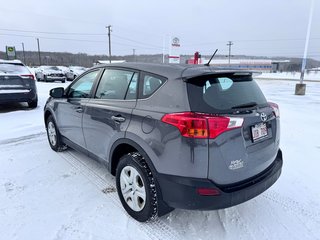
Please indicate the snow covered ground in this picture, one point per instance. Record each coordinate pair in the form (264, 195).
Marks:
(49, 195)
(309, 76)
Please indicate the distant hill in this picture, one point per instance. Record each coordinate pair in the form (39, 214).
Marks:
(85, 60)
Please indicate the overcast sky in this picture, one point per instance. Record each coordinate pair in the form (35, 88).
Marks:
(256, 27)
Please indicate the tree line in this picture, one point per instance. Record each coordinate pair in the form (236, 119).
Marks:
(85, 60)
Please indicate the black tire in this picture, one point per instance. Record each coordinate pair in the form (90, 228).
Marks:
(44, 78)
(55, 142)
(33, 103)
(63, 81)
(150, 209)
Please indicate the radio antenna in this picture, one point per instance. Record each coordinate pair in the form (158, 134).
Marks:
(208, 63)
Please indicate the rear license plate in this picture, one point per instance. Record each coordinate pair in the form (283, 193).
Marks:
(259, 131)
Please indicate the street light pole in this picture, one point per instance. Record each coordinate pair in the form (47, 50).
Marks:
(39, 51)
(24, 56)
(301, 87)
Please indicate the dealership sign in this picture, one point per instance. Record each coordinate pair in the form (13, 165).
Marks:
(174, 55)
(11, 51)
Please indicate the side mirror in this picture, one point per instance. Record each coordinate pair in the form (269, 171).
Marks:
(57, 92)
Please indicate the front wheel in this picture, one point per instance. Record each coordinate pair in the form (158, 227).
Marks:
(136, 187)
(54, 136)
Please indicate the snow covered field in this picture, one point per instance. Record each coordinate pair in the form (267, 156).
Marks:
(49, 195)
(309, 76)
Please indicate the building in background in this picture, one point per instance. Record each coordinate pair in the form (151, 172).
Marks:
(262, 65)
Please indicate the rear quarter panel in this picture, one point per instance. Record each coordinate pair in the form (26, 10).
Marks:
(169, 152)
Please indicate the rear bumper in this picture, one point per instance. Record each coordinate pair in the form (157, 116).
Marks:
(181, 192)
(27, 95)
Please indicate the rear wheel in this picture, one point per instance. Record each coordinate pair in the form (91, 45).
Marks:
(33, 103)
(136, 187)
(54, 136)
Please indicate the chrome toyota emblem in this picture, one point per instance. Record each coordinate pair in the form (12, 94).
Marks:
(263, 117)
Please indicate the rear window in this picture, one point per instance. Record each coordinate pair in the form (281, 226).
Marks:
(13, 69)
(224, 93)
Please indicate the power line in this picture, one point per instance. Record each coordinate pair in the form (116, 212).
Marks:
(59, 33)
(81, 40)
(64, 39)
(71, 33)
(131, 40)
(251, 40)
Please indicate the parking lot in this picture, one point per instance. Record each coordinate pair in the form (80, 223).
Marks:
(49, 195)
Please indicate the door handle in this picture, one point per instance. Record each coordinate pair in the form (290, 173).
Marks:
(118, 118)
(79, 109)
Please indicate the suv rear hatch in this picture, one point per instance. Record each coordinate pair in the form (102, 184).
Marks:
(15, 78)
(246, 127)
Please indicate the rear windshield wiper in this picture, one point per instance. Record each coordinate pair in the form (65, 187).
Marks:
(246, 105)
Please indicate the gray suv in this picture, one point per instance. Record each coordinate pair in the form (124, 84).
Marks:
(175, 136)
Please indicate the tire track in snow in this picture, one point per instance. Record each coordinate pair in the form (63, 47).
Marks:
(18, 140)
(292, 206)
(246, 232)
(296, 208)
(100, 177)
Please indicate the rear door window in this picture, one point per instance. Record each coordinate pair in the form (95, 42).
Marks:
(224, 93)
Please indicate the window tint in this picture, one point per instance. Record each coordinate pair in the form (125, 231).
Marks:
(83, 86)
(117, 84)
(150, 84)
(221, 94)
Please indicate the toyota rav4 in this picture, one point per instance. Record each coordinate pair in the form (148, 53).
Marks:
(175, 136)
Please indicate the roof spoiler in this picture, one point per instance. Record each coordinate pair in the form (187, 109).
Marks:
(221, 73)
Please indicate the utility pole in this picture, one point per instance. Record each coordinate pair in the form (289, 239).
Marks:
(134, 54)
(163, 48)
(301, 87)
(109, 36)
(24, 56)
(39, 51)
(230, 43)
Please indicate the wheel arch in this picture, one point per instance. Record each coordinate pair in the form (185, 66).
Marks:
(124, 146)
(47, 113)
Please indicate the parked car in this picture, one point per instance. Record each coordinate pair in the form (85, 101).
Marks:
(50, 74)
(67, 72)
(174, 136)
(77, 71)
(17, 83)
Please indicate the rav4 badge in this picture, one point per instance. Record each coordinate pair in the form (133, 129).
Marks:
(236, 164)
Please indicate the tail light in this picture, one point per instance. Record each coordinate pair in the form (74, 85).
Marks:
(28, 76)
(275, 109)
(199, 125)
